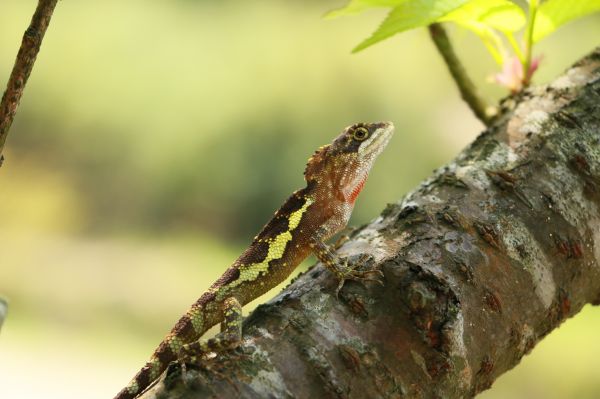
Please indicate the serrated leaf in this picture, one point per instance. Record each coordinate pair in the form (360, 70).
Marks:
(408, 15)
(356, 6)
(554, 13)
(503, 15)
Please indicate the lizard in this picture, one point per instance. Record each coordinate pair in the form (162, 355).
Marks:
(335, 175)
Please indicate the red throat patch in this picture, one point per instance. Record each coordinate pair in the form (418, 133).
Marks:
(357, 189)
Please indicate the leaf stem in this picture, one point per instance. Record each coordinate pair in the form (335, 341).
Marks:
(467, 89)
(533, 6)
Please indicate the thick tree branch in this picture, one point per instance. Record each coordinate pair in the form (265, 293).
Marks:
(467, 89)
(30, 46)
(483, 260)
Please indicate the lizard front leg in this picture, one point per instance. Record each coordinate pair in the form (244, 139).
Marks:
(229, 338)
(340, 268)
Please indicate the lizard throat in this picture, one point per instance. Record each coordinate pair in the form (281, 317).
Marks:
(353, 194)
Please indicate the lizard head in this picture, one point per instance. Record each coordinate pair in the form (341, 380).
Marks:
(343, 165)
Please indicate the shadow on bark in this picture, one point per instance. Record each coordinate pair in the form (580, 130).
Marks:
(481, 261)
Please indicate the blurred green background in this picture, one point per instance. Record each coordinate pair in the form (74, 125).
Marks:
(156, 137)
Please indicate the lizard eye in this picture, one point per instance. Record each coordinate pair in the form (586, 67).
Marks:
(360, 133)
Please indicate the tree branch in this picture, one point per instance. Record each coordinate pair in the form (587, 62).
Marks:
(467, 89)
(481, 261)
(30, 46)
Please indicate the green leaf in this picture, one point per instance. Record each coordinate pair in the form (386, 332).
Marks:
(554, 13)
(410, 14)
(484, 17)
(503, 15)
(356, 6)
(488, 36)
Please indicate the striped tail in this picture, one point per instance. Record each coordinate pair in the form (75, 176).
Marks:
(188, 329)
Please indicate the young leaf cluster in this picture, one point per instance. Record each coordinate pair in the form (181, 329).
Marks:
(495, 22)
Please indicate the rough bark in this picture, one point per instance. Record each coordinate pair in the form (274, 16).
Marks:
(481, 261)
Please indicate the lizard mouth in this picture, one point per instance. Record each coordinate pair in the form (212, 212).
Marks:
(379, 139)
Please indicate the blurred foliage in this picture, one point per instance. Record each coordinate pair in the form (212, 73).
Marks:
(155, 138)
(159, 136)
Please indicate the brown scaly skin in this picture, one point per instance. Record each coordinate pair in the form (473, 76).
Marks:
(335, 175)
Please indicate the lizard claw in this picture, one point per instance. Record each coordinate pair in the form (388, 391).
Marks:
(345, 272)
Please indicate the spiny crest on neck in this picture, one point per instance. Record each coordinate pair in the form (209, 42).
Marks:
(315, 164)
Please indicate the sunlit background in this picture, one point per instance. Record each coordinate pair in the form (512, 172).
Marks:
(156, 137)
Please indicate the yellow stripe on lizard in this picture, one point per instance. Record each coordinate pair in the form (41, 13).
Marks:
(334, 176)
(276, 250)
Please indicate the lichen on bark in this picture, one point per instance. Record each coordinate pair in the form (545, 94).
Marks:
(481, 261)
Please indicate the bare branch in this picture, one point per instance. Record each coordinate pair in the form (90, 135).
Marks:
(481, 261)
(30, 46)
(467, 89)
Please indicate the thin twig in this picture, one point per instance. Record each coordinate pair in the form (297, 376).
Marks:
(30, 46)
(468, 91)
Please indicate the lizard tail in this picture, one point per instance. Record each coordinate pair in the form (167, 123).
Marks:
(188, 329)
